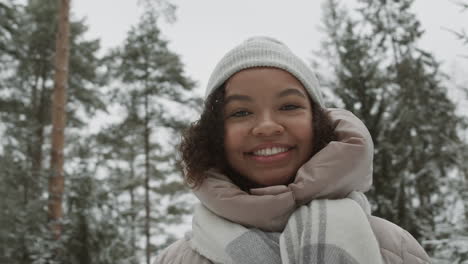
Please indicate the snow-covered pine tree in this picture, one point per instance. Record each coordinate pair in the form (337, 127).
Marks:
(396, 88)
(26, 80)
(94, 229)
(451, 244)
(152, 92)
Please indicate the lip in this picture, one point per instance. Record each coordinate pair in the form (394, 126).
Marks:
(280, 157)
(270, 145)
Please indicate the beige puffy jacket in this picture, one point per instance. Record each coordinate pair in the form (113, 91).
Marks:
(341, 167)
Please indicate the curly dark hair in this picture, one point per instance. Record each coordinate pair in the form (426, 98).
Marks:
(202, 145)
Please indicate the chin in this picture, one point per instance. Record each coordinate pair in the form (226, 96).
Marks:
(278, 180)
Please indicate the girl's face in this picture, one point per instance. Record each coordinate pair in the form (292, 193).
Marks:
(267, 125)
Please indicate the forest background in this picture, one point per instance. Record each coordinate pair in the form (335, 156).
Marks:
(124, 199)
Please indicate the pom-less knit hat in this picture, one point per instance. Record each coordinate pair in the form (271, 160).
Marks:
(264, 52)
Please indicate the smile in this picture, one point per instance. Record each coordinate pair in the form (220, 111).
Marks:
(270, 151)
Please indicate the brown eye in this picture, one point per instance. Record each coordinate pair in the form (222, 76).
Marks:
(241, 113)
(289, 107)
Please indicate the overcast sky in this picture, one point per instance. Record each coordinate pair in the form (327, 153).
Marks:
(206, 29)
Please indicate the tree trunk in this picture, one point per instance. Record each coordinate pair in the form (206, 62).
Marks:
(38, 138)
(132, 205)
(56, 180)
(147, 174)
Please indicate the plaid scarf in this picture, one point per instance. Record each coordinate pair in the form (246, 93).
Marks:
(323, 231)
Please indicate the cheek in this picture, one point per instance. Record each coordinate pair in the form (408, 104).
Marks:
(234, 136)
(303, 131)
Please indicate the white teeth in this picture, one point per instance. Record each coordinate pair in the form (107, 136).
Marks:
(269, 151)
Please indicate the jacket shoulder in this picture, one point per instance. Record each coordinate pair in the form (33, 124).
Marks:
(180, 252)
(397, 246)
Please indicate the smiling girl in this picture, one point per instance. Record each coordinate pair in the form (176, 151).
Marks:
(268, 125)
(279, 176)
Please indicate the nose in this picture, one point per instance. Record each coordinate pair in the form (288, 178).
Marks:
(267, 126)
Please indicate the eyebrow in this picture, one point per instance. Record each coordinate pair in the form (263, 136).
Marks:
(245, 98)
(291, 91)
(237, 97)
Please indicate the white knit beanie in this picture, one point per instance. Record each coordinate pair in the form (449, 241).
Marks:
(264, 52)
